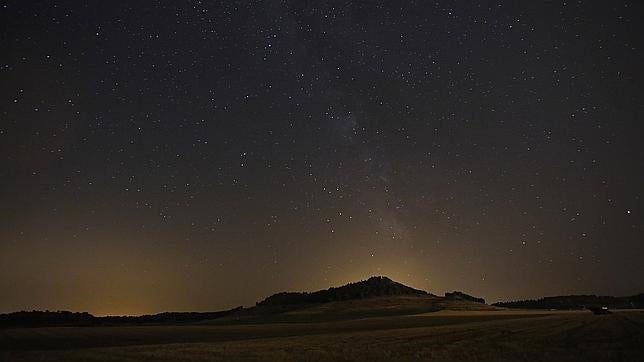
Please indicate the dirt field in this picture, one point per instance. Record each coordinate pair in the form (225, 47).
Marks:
(441, 336)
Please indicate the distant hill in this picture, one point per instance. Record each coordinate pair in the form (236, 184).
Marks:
(372, 287)
(375, 297)
(577, 302)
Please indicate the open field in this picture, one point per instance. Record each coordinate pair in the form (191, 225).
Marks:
(440, 336)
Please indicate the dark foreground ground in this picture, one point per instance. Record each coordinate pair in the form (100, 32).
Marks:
(440, 336)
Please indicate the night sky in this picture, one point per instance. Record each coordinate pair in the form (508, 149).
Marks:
(196, 155)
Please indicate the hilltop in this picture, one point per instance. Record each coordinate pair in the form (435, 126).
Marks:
(376, 296)
(373, 287)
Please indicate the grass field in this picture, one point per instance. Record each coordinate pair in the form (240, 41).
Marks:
(439, 336)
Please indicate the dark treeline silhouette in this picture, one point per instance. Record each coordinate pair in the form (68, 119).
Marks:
(46, 318)
(463, 296)
(373, 287)
(577, 302)
(65, 318)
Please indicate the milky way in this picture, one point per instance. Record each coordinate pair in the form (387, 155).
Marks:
(199, 155)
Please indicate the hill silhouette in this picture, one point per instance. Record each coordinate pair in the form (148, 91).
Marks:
(373, 287)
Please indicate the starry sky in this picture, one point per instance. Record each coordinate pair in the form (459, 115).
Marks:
(200, 155)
